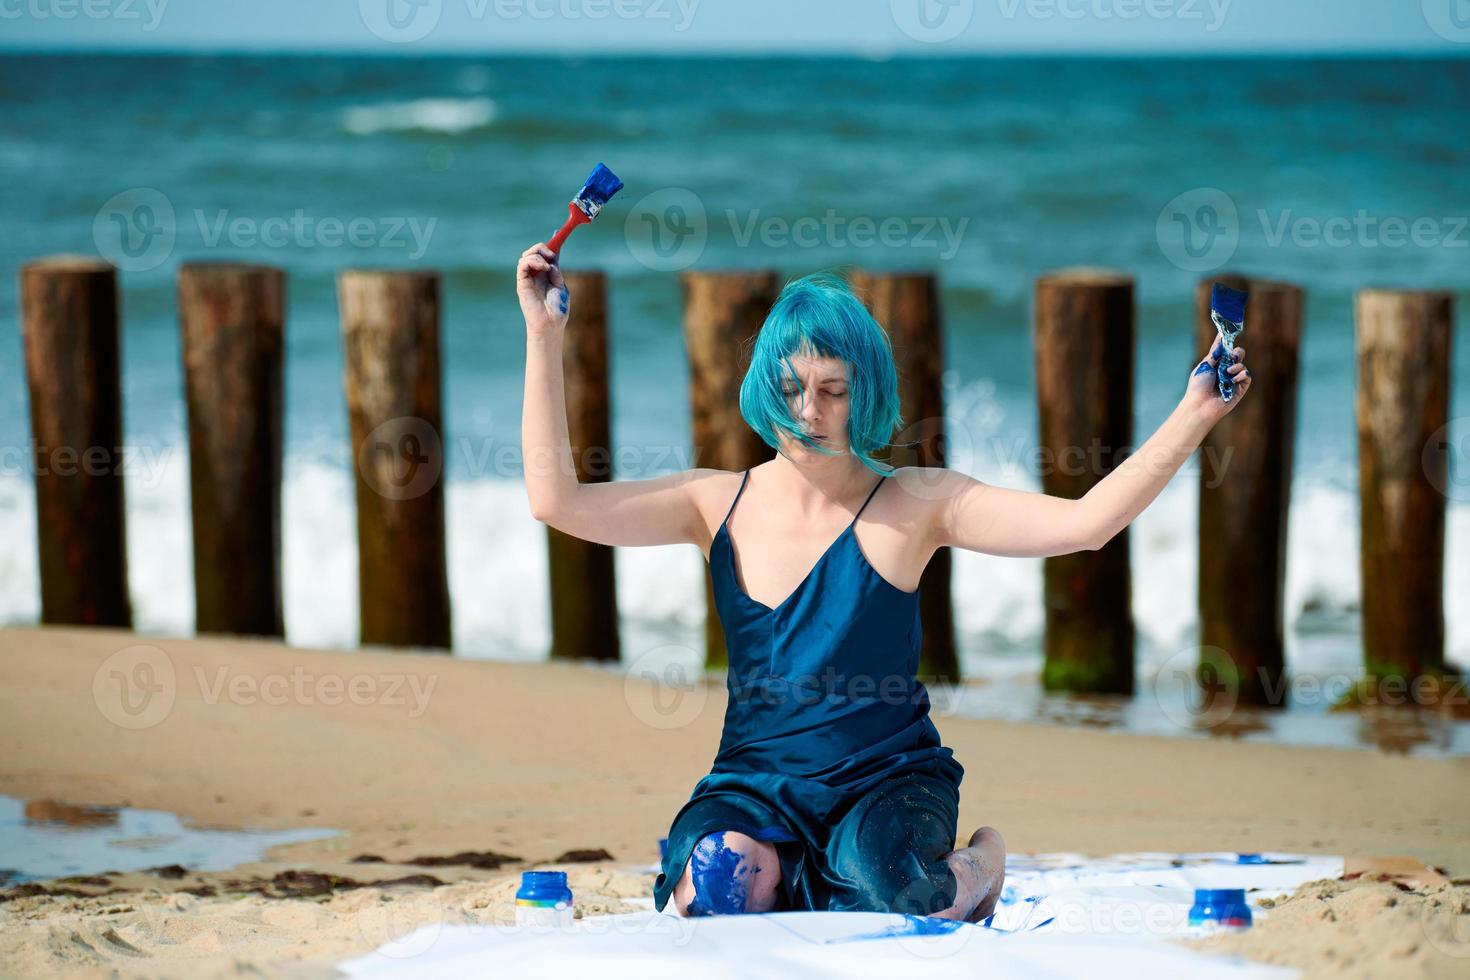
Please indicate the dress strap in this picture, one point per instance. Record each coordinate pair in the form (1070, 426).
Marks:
(870, 497)
(737, 495)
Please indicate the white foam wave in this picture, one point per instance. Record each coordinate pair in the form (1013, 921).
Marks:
(497, 573)
(424, 115)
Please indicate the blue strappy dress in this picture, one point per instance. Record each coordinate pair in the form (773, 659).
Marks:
(828, 751)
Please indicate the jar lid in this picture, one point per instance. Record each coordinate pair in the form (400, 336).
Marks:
(1220, 896)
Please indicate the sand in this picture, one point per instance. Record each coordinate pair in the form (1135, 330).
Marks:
(415, 755)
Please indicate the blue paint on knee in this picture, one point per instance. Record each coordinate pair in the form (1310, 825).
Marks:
(720, 875)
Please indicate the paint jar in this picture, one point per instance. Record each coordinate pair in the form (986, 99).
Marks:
(544, 900)
(1219, 910)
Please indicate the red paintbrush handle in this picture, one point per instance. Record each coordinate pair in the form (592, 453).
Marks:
(575, 217)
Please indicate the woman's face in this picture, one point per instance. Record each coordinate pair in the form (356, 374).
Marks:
(818, 399)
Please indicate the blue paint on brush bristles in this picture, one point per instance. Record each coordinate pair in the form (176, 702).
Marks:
(601, 185)
(1227, 310)
(721, 877)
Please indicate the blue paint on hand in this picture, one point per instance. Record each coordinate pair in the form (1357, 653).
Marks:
(721, 877)
(562, 300)
(1227, 310)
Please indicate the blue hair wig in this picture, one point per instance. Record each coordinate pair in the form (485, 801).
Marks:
(818, 315)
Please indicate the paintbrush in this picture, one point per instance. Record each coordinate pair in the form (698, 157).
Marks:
(601, 185)
(1227, 310)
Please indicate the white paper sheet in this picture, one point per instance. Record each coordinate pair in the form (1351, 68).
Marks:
(1060, 915)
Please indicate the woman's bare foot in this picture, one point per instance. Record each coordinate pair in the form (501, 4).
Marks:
(979, 871)
(989, 849)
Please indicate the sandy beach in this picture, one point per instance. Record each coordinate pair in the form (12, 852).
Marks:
(419, 758)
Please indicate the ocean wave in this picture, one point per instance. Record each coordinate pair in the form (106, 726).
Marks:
(501, 604)
(452, 116)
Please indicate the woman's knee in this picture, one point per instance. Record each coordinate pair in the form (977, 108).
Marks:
(728, 872)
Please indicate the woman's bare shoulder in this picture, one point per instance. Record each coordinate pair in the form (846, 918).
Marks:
(923, 494)
(712, 491)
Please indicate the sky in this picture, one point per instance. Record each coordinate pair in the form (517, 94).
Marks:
(866, 27)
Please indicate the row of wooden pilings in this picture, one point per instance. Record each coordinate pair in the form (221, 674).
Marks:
(232, 321)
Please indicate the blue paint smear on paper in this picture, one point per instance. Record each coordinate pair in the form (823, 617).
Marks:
(912, 925)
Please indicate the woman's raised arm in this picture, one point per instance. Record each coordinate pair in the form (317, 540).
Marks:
(980, 517)
(625, 512)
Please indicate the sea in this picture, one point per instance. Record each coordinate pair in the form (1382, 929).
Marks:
(1335, 174)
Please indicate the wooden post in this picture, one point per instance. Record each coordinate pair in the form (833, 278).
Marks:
(907, 305)
(1403, 347)
(1084, 390)
(1244, 494)
(69, 319)
(584, 608)
(390, 340)
(723, 313)
(231, 325)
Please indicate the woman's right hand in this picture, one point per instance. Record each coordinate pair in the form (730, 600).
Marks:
(542, 291)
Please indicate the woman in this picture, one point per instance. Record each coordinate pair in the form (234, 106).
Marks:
(831, 788)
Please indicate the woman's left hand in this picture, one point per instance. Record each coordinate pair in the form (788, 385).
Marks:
(1203, 392)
